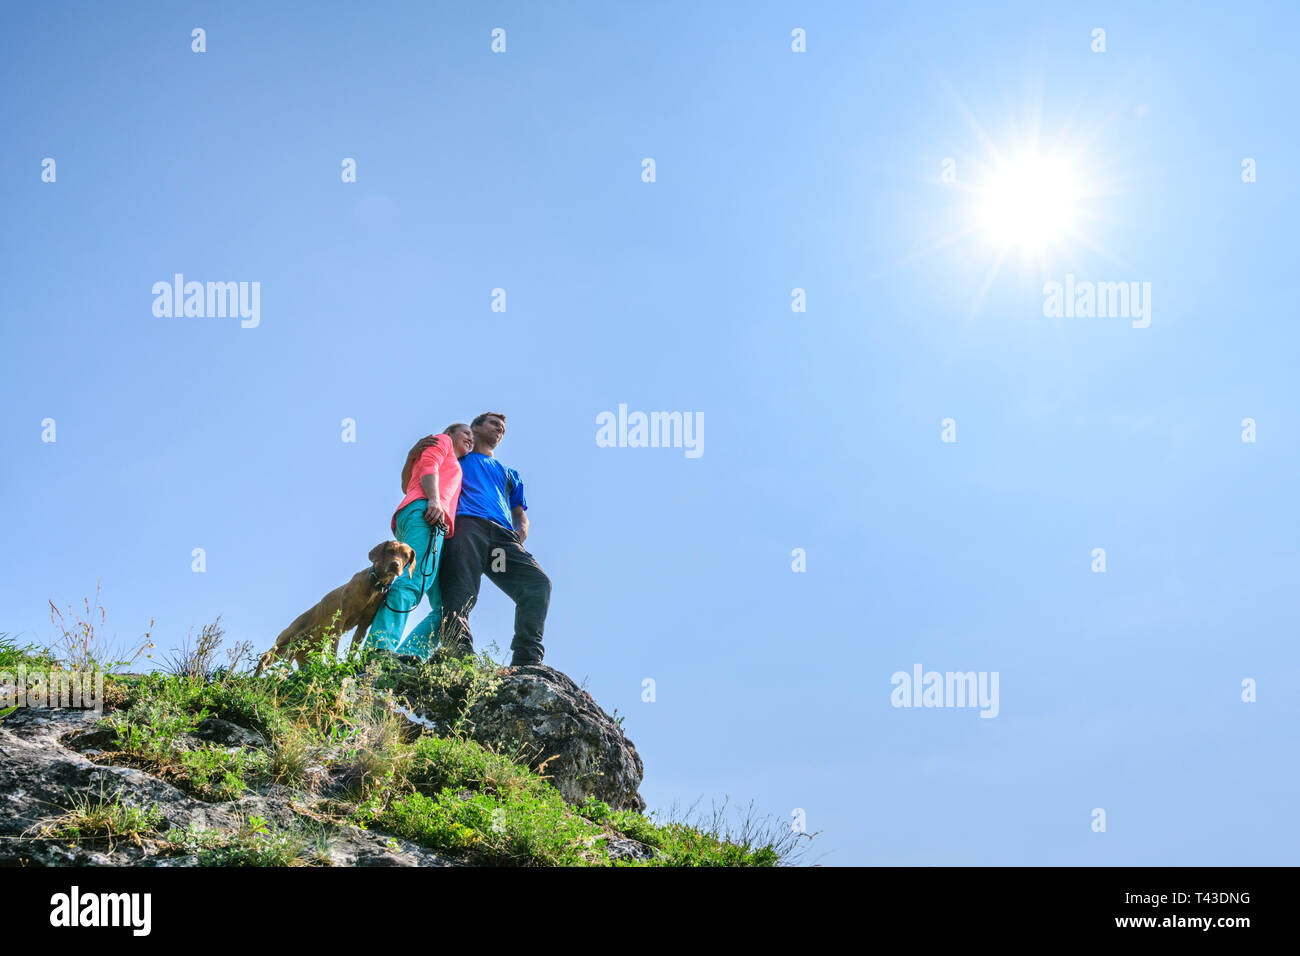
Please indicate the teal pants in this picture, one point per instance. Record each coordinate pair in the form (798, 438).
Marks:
(405, 593)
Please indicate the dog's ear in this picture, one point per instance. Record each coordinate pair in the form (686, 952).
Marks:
(410, 555)
(376, 551)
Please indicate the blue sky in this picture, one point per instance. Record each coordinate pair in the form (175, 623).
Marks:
(775, 170)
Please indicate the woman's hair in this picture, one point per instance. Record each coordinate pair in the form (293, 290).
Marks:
(418, 449)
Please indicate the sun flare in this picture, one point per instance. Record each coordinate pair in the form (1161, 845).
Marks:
(1030, 203)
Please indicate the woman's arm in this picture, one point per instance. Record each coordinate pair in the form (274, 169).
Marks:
(430, 460)
(433, 513)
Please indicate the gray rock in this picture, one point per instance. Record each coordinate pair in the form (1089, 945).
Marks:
(628, 850)
(42, 775)
(223, 732)
(542, 715)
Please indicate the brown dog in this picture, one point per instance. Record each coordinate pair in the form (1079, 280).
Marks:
(355, 603)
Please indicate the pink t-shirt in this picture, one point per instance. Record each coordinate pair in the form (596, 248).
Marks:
(439, 457)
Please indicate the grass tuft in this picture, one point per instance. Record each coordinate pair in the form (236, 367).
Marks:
(99, 819)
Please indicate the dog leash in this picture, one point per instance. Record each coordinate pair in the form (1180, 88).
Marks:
(424, 575)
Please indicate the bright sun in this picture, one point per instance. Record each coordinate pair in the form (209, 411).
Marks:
(1030, 203)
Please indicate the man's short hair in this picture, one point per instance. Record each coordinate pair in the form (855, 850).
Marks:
(480, 419)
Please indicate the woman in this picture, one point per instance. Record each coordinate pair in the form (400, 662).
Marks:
(431, 480)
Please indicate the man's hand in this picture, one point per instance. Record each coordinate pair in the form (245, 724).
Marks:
(520, 519)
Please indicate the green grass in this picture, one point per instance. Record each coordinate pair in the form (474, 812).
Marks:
(257, 843)
(448, 792)
(509, 829)
(13, 654)
(215, 773)
(30, 658)
(448, 686)
(101, 820)
(157, 714)
(96, 818)
(754, 842)
(457, 796)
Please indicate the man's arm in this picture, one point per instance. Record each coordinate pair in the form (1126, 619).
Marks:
(518, 505)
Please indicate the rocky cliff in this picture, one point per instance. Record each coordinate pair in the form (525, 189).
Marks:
(355, 763)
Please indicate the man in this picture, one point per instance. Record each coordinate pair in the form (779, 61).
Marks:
(491, 527)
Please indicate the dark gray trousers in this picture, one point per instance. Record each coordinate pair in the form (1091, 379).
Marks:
(480, 547)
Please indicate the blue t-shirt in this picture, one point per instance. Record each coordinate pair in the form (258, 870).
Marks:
(488, 489)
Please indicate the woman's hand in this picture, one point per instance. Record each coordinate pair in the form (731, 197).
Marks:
(433, 514)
